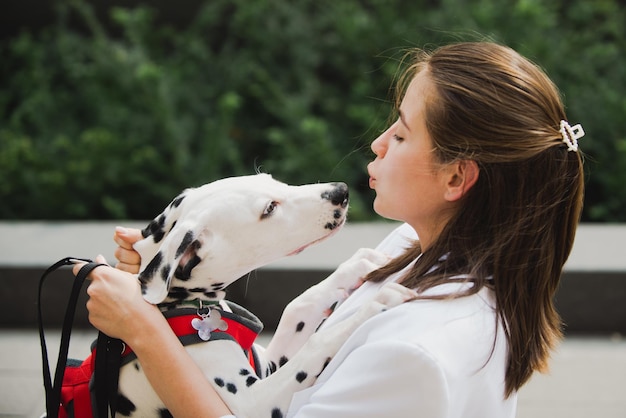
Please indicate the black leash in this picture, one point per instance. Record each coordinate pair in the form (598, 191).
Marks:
(108, 351)
(106, 374)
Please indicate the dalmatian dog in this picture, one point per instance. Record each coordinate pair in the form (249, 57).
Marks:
(210, 236)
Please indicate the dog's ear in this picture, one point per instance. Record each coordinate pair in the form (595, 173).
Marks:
(158, 229)
(176, 252)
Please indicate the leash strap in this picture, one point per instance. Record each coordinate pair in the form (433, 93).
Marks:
(53, 389)
(106, 373)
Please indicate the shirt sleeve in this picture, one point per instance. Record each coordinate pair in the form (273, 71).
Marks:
(382, 379)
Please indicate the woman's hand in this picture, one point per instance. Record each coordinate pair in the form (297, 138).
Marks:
(117, 308)
(128, 259)
(116, 305)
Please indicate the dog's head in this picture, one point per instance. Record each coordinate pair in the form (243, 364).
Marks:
(212, 235)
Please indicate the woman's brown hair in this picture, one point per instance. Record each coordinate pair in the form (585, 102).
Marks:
(515, 227)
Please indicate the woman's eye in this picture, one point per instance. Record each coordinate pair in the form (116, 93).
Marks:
(398, 138)
(269, 209)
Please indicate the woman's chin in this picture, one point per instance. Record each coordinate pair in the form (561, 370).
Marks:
(380, 208)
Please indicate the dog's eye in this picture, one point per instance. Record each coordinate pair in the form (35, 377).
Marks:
(269, 209)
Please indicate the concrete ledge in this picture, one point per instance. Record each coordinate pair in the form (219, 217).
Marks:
(39, 244)
(591, 299)
(598, 247)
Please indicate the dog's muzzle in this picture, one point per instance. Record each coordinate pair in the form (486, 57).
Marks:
(338, 195)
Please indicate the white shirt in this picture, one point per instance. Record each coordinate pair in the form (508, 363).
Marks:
(426, 358)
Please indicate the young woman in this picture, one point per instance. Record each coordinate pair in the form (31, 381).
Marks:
(481, 165)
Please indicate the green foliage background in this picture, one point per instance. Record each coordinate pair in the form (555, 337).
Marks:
(110, 118)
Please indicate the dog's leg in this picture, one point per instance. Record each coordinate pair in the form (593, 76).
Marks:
(270, 397)
(304, 314)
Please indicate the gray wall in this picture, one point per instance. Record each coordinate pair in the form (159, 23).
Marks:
(591, 300)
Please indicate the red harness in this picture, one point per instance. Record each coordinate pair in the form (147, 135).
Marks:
(243, 328)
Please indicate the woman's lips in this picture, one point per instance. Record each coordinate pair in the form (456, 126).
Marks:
(372, 180)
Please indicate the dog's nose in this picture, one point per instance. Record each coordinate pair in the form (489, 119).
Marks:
(338, 195)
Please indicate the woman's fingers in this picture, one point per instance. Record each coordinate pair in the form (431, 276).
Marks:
(126, 237)
(128, 259)
(114, 300)
(78, 265)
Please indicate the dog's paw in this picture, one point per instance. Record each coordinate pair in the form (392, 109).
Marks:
(393, 294)
(350, 274)
(319, 301)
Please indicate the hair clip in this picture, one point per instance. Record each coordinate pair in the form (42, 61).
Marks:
(571, 134)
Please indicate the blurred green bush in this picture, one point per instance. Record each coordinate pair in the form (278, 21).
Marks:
(111, 118)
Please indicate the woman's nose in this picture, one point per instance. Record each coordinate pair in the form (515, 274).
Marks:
(379, 145)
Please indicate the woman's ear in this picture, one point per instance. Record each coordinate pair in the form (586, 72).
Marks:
(463, 175)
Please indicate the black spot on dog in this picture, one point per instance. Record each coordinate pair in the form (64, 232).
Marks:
(251, 380)
(320, 325)
(146, 231)
(323, 366)
(337, 214)
(300, 326)
(210, 295)
(277, 413)
(158, 236)
(186, 242)
(338, 195)
(218, 286)
(178, 293)
(244, 372)
(168, 305)
(149, 272)
(165, 272)
(219, 382)
(282, 361)
(184, 272)
(164, 413)
(137, 366)
(271, 368)
(301, 375)
(124, 406)
(197, 290)
(231, 388)
(331, 225)
(176, 202)
(157, 229)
